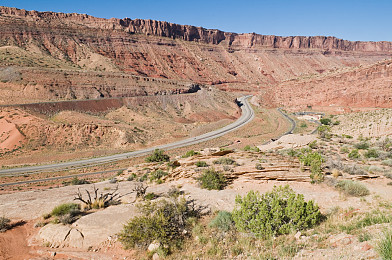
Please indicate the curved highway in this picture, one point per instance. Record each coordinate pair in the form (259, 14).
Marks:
(292, 122)
(246, 117)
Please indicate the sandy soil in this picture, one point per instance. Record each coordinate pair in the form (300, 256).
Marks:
(10, 137)
(376, 123)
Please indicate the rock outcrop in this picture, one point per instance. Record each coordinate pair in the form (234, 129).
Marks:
(368, 86)
(200, 34)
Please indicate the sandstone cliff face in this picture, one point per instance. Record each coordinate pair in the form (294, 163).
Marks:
(162, 50)
(199, 34)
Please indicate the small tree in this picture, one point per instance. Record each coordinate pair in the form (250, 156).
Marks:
(212, 180)
(158, 156)
(354, 154)
(280, 211)
(223, 221)
(324, 131)
(163, 221)
(189, 154)
(201, 164)
(314, 160)
(372, 153)
(325, 121)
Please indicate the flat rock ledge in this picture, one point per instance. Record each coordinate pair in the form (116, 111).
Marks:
(90, 230)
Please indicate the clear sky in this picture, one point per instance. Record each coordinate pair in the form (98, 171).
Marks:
(363, 20)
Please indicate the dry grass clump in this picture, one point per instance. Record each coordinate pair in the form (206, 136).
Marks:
(354, 169)
(336, 173)
(387, 162)
(352, 188)
(225, 161)
(4, 224)
(384, 247)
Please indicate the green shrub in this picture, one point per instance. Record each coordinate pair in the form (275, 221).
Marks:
(189, 154)
(150, 196)
(212, 180)
(157, 175)
(158, 156)
(162, 221)
(303, 125)
(223, 221)
(325, 121)
(4, 224)
(280, 211)
(65, 208)
(372, 218)
(364, 237)
(353, 169)
(344, 149)
(225, 161)
(292, 153)
(354, 154)
(388, 175)
(384, 247)
(313, 145)
(143, 177)
(352, 188)
(371, 153)
(248, 148)
(386, 145)
(314, 160)
(131, 177)
(76, 181)
(201, 164)
(259, 167)
(173, 164)
(362, 146)
(387, 162)
(324, 131)
(66, 213)
(374, 168)
(347, 136)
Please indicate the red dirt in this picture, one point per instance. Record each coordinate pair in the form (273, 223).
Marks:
(14, 244)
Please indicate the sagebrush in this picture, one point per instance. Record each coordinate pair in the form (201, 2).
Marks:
(4, 224)
(352, 188)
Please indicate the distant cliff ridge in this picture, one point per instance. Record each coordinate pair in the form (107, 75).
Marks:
(199, 34)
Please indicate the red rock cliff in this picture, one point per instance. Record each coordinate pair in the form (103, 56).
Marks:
(199, 34)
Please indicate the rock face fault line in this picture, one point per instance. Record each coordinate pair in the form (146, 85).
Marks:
(246, 117)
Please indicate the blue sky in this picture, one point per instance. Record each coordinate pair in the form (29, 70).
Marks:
(361, 20)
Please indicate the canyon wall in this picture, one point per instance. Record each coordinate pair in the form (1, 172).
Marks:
(60, 56)
(163, 50)
(199, 34)
(369, 86)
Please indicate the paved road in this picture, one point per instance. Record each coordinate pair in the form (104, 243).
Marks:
(246, 117)
(292, 122)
